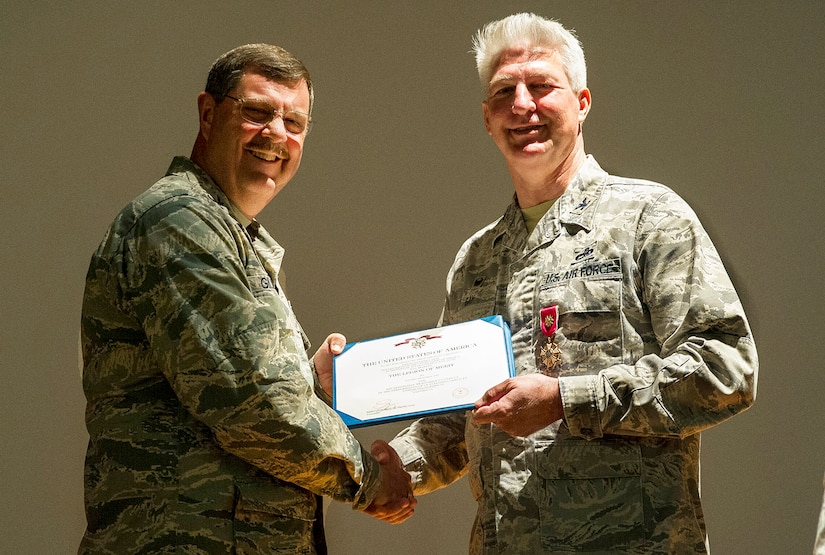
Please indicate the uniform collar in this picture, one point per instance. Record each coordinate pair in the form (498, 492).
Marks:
(183, 165)
(575, 207)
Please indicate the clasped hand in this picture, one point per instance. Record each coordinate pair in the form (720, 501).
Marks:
(395, 502)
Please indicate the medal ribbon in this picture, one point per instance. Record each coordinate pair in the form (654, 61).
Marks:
(549, 320)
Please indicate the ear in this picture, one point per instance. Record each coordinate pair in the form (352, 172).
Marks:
(485, 109)
(206, 113)
(585, 101)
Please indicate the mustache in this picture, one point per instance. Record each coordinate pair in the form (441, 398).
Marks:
(265, 145)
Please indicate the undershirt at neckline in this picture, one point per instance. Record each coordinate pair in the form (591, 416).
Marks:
(533, 214)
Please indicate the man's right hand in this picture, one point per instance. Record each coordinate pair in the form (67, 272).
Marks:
(395, 502)
(333, 345)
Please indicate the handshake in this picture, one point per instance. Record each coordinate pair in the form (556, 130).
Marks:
(395, 502)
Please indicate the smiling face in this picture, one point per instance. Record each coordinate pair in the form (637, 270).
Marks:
(251, 163)
(532, 113)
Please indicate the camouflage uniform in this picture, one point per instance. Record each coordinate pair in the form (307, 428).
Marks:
(206, 434)
(655, 348)
(819, 546)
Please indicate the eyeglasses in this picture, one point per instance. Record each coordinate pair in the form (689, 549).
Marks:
(262, 113)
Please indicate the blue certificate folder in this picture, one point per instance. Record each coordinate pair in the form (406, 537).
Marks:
(421, 373)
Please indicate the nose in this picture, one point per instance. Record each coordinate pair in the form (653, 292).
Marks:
(522, 100)
(275, 127)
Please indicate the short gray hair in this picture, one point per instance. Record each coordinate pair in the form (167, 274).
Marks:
(528, 30)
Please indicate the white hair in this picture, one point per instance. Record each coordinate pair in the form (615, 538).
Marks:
(527, 30)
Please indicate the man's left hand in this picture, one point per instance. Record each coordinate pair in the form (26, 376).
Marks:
(521, 405)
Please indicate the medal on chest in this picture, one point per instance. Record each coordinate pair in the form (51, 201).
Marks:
(549, 353)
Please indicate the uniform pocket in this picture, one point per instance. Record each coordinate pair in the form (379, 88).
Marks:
(589, 329)
(278, 521)
(590, 495)
(265, 496)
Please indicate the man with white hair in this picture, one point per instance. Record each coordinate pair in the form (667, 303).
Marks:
(628, 335)
(819, 545)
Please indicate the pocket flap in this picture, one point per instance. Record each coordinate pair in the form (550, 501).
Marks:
(569, 460)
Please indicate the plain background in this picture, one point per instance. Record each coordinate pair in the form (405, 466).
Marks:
(722, 101)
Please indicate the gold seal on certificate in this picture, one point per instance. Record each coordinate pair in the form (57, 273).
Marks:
(426, 372)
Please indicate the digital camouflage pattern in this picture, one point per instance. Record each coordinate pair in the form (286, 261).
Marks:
(206, 435)
(655, 348)
(819, 546)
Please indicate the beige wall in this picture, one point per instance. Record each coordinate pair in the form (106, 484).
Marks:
(721, 101)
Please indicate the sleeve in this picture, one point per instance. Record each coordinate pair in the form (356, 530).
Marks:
(227, 347)
(319, 390)
(819, 546)
(700, 365)
(433, 449)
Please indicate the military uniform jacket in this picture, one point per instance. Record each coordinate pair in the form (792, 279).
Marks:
(655, 347)
(206, 435)
(819, 545)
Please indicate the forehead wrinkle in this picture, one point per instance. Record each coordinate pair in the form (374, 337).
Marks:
(525, 54)
(286, 107)
(525, 76)
(287, 93)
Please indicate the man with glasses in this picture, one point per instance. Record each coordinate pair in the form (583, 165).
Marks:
(628, 335)
(207, 433)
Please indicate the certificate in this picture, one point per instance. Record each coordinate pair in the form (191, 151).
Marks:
(420, 373)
